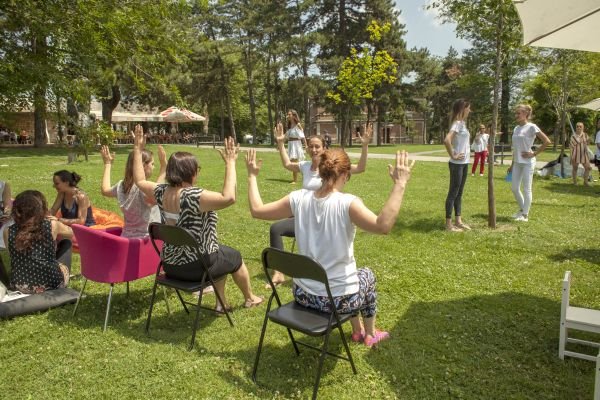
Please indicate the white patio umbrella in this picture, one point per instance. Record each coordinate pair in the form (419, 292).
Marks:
(563, 24)
(593, 105)
(176, 114)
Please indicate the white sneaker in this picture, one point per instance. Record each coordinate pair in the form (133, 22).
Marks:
(480, 174)
(522, 218)
(517, 214)
(472, 174)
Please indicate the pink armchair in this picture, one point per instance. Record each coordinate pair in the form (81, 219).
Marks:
(107, 257)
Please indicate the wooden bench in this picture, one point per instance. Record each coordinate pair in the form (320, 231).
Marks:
(212, 139)
(502, 151)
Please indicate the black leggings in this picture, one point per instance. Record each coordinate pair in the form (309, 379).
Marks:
(63, 252)
(285, 227)
(221, 263)
(458, 177)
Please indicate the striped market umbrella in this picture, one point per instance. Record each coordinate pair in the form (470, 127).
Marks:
(176, 114)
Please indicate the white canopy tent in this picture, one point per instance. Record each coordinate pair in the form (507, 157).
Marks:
(593, 105)
(563, 24)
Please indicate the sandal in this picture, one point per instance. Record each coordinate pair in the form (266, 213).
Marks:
(464, 227)
(221, 310)
(276, 283)
(452, 228)
(254, 302)
(358, 337)
(372, 341)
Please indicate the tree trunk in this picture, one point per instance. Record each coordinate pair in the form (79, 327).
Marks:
(40, 50)
(504, 105)
(230, 114)
(250, 83)
(268, 89)
(492, 140)
(109, 104)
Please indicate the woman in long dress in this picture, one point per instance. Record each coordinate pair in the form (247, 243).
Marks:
(580, 154)
(296, 140)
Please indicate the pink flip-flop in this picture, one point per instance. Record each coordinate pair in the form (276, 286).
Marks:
(372, 341)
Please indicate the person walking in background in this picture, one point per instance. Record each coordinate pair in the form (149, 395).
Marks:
(457, 146)
(523, 159)
(296, 140)
(480, 147)
(580, 154)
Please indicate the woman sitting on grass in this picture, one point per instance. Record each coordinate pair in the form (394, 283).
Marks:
(136, 207)
(325, 222)
(74, 204)
(189, 207)
(38, 262)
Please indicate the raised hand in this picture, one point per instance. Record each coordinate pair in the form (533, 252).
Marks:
(139, 140)
(278, 133)
(251, 164)
(107, 156)
(162, 155)
(230, 150)
(401, 172)
(366, 138)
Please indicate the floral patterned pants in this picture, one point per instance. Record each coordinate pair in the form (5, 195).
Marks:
(364, 301)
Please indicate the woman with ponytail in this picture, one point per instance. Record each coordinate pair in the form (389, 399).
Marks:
(38, 262)
(325, 224)
(74, 204)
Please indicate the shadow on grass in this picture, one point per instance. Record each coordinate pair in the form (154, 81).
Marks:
(589, 255)
(499, 218)
(569, 188)
(279, 363)
(423, 225)
(128, 315)
(499, 346)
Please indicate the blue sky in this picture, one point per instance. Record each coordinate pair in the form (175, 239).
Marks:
(424, 30)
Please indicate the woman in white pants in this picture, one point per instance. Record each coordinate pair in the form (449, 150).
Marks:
(523, 159)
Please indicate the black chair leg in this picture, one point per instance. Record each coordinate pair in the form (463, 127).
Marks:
(291, 335)
(196, 320)
(182, 302)
(79, 297)
(166, 300)
(112, 285)
(151, 307)
(260, 344)
(321, 360)
(347, 349)
(222, 303)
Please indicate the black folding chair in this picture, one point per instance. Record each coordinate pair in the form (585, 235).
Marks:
(295, 317)
(176, 236)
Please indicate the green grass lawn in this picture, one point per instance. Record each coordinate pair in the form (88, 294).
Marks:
(472, 315)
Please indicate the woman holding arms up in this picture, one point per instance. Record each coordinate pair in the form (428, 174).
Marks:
(134, 204)
(296, 140)
(183, 204)
(325, 222)
(310, 179)
(523, 159)
(457, 146)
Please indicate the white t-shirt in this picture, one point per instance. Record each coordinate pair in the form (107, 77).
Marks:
(325, 233)
(310, 179)
(460, 142)
(522, 140)
(136, 211)
(480, 144)
(597, 142)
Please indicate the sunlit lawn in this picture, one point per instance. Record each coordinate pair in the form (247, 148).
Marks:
(472, 315)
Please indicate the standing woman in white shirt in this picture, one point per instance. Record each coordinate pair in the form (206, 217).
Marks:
(296, 140)
(458, 148)
(523, 159)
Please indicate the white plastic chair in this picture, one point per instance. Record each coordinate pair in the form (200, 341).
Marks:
(582, 319)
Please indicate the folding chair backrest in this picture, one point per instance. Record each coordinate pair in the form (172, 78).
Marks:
(566, 289)
(293, 265)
